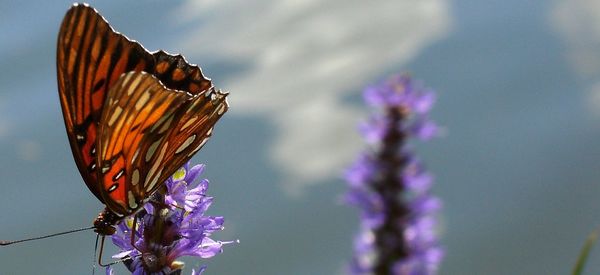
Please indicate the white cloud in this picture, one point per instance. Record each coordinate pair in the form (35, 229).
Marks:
(304, 57)
(578, 23)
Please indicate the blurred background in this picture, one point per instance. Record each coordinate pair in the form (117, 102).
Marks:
(518, 92)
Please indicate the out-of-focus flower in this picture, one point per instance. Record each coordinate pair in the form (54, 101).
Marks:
(391, 187)
(173, 224)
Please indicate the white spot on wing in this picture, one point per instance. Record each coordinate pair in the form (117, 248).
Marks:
(152, 149)
(135, 177)
(126, 78)
(221, 110)
(189, 123)
(113, 187)
(131, 200)
(154, 181)
(199, 146)
(142, 100)
(134, 84)
(119, 174)
(166, 125)
(135, 155)
(115, 115)
(160, 121)
(185, 144)
(156, 164)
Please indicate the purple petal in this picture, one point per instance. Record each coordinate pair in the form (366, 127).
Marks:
(424, 102)
(122, 254)
(425, 204)
(375, 129)
(200, 270)
(373, 96)
(194, 172)
(424, 129)
(361, 171)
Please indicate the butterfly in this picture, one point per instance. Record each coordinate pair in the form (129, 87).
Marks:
(133, 117)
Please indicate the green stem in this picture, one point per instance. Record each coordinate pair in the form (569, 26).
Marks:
(585, 252)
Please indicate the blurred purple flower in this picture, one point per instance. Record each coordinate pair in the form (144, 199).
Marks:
(171, 226)
(391, 187)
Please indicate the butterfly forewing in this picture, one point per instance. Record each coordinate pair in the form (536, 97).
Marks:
(141, 143)
(91, 58)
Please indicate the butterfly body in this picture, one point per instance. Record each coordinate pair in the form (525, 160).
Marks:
(132, 117)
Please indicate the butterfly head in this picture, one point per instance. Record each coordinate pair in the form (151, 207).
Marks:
(105, 223)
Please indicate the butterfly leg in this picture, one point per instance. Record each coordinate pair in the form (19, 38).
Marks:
(95, 252)
(100, 253)
(102, 250)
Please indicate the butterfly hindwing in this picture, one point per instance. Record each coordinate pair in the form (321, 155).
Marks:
(91, 58)
(195, 126)
(142, 141)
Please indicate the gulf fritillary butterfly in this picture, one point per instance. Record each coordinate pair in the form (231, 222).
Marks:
(133, 117)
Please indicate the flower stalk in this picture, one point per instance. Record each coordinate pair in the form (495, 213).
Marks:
(391, 187)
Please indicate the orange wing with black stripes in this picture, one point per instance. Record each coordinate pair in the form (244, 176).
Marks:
(91, 59)
(147, 132)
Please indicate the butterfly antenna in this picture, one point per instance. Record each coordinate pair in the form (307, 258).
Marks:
(4, 242)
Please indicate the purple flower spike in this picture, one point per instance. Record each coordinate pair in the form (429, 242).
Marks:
(392, 188)
(171, 226)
